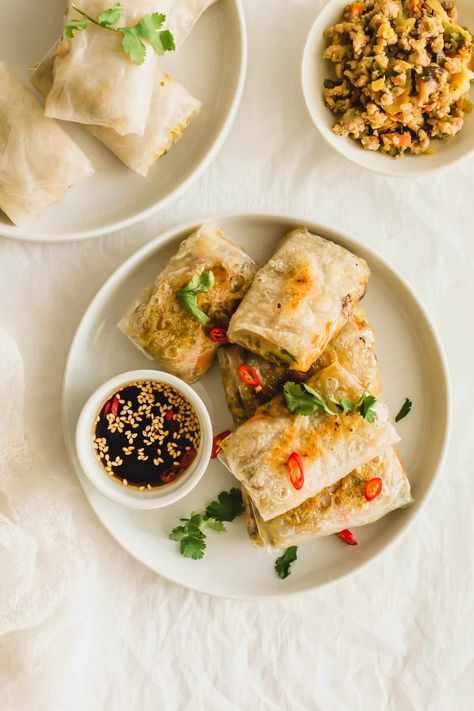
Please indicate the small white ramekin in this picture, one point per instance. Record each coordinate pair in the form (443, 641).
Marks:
(133, 498)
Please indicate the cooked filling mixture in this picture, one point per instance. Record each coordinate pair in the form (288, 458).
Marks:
(146, 435)
(402, 74)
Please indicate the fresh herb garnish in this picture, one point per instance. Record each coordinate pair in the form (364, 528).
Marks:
(191, 535)
(285, 563)
(227, 507)
(404, 410)
(188, 296)
(303, 400)
(366, 408)
(148, 29)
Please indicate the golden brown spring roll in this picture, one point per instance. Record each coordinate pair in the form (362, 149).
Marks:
(158, 324)
(299, 300)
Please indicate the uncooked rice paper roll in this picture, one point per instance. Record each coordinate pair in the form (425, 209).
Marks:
(330, 446)
(182, 15)
(95, 82)
(39, 162)
(337, 507)
(172, 109)
(299, 300)
(157, 322)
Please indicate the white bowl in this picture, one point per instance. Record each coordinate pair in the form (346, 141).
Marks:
(315, 70)
(133, 498)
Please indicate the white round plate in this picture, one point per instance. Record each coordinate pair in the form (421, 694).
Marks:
(412, 363)
(315, 70)
(211, 65)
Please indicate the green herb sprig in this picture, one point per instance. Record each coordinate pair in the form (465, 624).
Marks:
(285, 563)
(134, 38)
(404, 410)
(301, 399)
(188, 296)
(191, 535)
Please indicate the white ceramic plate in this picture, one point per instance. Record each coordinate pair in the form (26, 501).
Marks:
(412, 365)
(315, 70)
(211, 65)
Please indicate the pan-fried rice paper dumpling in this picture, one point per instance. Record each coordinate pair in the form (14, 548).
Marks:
(330, 446)
(39, 162)
(299, 300)
(160, 326)
(171, 110)
(337, 507)
(353, 347)
(344, 503)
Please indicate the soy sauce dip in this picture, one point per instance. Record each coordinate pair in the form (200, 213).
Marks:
(146, 435)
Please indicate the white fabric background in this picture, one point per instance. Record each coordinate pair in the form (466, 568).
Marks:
(82, 625)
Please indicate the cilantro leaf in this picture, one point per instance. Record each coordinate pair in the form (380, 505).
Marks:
(344, 405)
(76, 26)
(146, 30)
(191, 535)
(133, 45)
(188, 295)
(227, 507)
(366, 408)
(216, 525)
(303, 400)
(111, 17)
(404, 410)
(285, 563)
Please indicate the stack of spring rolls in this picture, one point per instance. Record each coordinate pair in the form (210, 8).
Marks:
(297, 319)
(137, 111)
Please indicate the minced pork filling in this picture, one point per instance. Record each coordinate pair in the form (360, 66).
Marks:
(402, 74)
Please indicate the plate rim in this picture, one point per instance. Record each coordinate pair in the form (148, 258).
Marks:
(20, 234)
(167, 236)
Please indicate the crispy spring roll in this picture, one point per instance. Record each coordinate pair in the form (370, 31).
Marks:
(330, 446)
(299, 300)
(172, 109)
(353, 347)
(39, 162)
(337, 507)
(343, 504)
(160, 326)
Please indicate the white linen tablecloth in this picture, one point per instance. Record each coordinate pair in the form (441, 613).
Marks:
(88, 628)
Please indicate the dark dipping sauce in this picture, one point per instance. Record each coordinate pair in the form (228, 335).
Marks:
(146, 435)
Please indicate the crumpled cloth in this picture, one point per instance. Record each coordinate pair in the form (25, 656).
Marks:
(83, 627)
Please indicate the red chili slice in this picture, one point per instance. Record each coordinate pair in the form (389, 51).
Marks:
(219, 335)
(295, 470)
(115, 405)
(169, 475)
(187, 460)
(347, 536)
(249, 375)
(216, 442)
(373, 488)
(107, 407)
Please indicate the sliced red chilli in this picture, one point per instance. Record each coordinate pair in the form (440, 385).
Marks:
(249, 375)
(219, 335)
(295, 470)
(216, 443)
(373, 488)
(347, 536)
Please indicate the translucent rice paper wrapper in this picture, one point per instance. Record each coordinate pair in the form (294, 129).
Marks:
(163, 329)
(172, 109)
(337, 507)
(95, 82)
(39, 162)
